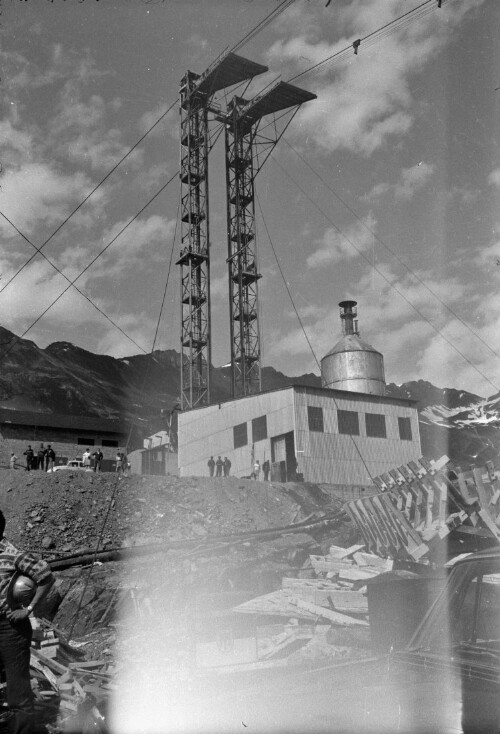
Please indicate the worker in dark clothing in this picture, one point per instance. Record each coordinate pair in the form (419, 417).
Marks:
(29, 458)
(227, 466)
(218, 464)
(211, 466)
(15, 630)
(265, 468)
(40, 464)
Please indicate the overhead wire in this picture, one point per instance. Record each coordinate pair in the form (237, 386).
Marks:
(383, 276)
(396, 23)
(335, 402)
(394, 254)
(88, 266)
(101, 182)
(284, 5)
(58, 270)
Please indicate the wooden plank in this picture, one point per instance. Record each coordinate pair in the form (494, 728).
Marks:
(52, 664)
(343, 620)
(369, 559)
(358, 574)
(483, 493)
(338, 552)
(345, 601)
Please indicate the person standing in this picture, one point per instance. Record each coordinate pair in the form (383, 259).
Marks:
(227, 466)
(124, 464)
(98, 457)
(256, 469)
(50, 458)
(118, 461)
(211, 466)
(218, 464)
(15, 629)
(30, 458)
(265, 468)
(12, 460)
(40, 463)
(86, 458)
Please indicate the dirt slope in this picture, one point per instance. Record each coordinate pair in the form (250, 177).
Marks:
(71, 511)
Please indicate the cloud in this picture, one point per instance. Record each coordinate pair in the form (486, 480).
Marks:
(142, 245)
(365, 100)
(410, 181)
(494, 177)
(38, 193)
(335, 246)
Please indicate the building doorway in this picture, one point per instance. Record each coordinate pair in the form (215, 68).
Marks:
(283, 461)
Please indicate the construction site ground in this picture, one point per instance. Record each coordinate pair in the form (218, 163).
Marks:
(168, 613)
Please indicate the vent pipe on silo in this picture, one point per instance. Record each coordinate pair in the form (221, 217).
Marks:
(353, 364)
(348, 314)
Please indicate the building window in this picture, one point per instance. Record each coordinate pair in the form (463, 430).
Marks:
(375, 425)
(348, 422)
(110, 442)
(315, 418)
(85, 442)
(259, 428)
(240, 435)
(405, 429)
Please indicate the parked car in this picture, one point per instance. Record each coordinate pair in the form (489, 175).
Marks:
(447, 679)
(72, 464)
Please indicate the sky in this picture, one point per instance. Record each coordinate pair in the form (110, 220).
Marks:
(385, 189)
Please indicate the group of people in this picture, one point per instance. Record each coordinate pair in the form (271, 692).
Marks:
(121, 462)
(94, 460)
(222, 467)
(219, 468)
(266, 467)
(42, 458)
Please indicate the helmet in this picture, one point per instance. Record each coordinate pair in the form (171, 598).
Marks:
(20, 591)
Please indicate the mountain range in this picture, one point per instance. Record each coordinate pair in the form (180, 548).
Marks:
(143, 389)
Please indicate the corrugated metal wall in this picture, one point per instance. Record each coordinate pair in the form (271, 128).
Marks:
(332, 457)
(325, 456)
(209, 432)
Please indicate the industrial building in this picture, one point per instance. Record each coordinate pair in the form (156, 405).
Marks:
(344, 432)
(68, 435)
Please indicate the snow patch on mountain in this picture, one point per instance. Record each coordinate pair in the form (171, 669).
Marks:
(482, 413)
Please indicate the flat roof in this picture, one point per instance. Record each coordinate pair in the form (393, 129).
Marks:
(55, 420)
(280, 97)
(231, 69)
(326, 391)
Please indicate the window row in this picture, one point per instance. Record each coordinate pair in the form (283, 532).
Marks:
(348, 423)
(259, 432)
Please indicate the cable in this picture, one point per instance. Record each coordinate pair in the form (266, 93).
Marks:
(286, 286)
(349, 48)
(363, 255)
(88, 196)
(394, 254)
(13, 341)
(76, 287)
(261, 25)
(358, 449)
(92, 566)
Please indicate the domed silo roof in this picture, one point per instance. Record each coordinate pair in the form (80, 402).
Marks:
(353, 364)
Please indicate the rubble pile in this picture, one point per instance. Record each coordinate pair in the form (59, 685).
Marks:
(66, 512)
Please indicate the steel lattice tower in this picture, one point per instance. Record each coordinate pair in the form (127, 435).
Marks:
(242, 256)
(194, 257)
(196, 94)
(244, 146)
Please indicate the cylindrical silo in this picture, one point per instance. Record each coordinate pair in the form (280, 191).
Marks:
(352, 364)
